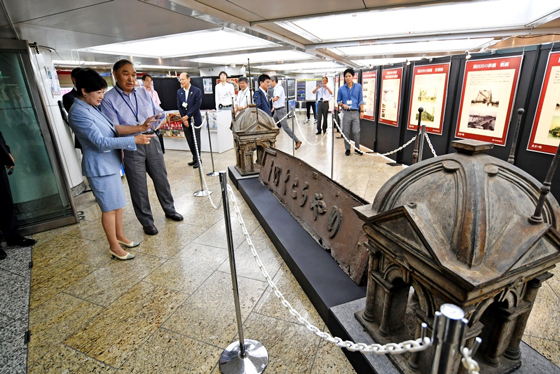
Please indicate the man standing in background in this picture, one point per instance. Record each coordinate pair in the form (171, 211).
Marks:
(279, 109)
(351, 99)
(243, 96)
(147, 80)
(225, 93)
(260, 96)
(189, 100)
(68, 99)
(9, 224)
(323, 96)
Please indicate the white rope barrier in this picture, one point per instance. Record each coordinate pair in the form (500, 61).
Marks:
(468, 362)
(377, 154)
(430, 144)
(417, 345)
(305, 138)
(216, 207)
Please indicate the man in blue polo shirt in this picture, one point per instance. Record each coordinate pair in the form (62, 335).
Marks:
(351, 100)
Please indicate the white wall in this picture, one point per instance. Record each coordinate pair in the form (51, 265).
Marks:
(42, 65)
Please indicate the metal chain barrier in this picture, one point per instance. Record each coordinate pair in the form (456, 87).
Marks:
(377, 154)
(417, 345)
(216, 207)
(430, 144)
(468, 362)
(303, 134)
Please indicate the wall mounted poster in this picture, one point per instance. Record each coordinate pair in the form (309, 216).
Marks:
(369, 83)
(489, 88)
(545, 134)
(390, 96)
(429, 91)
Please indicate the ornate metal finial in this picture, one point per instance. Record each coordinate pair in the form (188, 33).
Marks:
(511, 158)
(545, 189)
(418, 131)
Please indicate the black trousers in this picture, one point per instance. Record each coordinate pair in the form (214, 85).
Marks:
(190, 140)
(311, 105)
(9, 223)
(322, 115)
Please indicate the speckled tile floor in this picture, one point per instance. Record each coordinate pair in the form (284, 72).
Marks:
(171, 309)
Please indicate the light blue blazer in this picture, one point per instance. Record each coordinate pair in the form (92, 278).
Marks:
(100, 142)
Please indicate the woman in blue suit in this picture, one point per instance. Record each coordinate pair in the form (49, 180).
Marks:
(101, 162)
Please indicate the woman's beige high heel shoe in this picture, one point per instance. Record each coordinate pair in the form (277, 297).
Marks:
(128, 256)
(129, 245)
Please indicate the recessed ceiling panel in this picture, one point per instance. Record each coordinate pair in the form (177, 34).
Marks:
(257, 57)
(124, 19)
(408, 48)
(300, 66)
(187, 44)
(238, 11)
(21, 10)
(428, 19)
(296, 8)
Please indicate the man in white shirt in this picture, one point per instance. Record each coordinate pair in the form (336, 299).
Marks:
(243, 96)
(279, 109)
(224, 92)
(323, 96)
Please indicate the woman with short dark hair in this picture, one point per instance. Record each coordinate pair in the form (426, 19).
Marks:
(101, 162)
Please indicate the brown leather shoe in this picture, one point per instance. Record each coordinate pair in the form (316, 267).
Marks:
(298, 144)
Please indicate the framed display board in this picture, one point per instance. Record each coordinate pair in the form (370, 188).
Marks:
(545, 134)
(300, 91)
(391, 82)
(369, 84)
(489, 88)
(429, 91)
(291, 91)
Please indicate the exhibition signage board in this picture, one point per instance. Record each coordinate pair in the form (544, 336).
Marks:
(489, 88)
(545, 134)
(369, 84)
(429, 91)
(390, 96)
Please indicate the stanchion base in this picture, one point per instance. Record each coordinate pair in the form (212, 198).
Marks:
(255, 360)
(201, 193)
(213, 174)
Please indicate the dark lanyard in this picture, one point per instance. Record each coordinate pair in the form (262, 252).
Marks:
(130, 106)
(350, 93)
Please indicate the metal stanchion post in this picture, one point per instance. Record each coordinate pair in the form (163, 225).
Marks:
(214, 172)
(448, 333)
(202, 192)
(421, 143)
(294, 133)
(332, 145)
(417, 141)
(251, 356)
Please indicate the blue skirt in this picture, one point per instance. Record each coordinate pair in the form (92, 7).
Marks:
(108, 191)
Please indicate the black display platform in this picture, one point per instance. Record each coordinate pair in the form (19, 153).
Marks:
(351, 329)
(324, 282)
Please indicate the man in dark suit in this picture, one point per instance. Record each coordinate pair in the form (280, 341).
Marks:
(9, 224)
(189, 100)
(68, 98)
(260, 98)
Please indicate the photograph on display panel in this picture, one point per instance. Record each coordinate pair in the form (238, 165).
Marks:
(545, 134)
(369, 84)
(429, 91)
(390, 96)
(489, 88)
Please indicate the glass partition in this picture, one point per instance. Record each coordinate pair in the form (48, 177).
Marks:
(40, 193)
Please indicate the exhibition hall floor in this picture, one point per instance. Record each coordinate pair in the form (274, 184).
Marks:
(171, 310)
